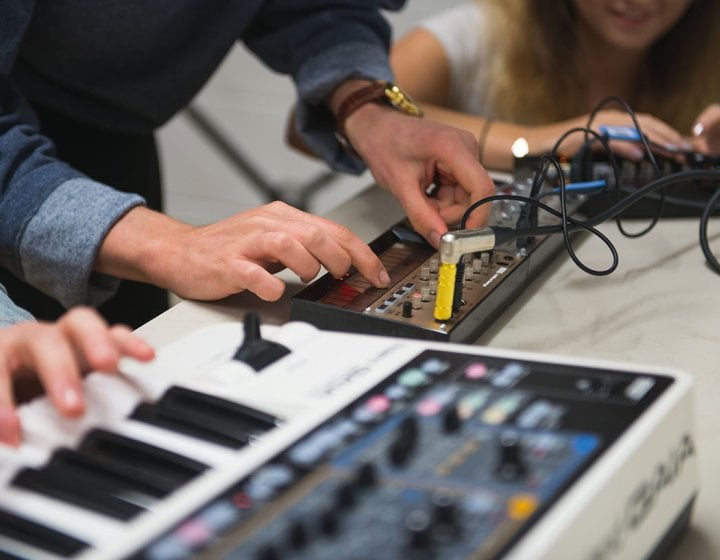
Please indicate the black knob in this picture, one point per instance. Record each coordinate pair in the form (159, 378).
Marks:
(267, 553)
(345, 495)
(255, 350)
(451, 420)
(297, 535)
(445, 510)
(400, 451)
(409, 429)
(447, 519)
(511, 465)
(407, 309)
(366, 475)
(595, 387)
(329, 522)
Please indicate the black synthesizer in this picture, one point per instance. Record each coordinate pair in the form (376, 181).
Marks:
(491, 281)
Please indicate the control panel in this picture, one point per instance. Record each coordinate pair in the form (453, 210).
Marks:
(453, 456)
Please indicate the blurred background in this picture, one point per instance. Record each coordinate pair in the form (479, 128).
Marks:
(246, 105)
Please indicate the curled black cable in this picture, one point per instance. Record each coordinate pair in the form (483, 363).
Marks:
(566, 231)
(528, 216)
(636, 123)
(704, 241)
(569, 224)
(648, 152)
(508, 233)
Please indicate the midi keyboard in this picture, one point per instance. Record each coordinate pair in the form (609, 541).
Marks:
(325, 445)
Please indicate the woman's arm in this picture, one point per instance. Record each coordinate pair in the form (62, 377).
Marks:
(422, 67)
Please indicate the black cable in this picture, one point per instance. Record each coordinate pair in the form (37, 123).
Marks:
(571, 224)
(648, 152)
(704, 241)
(504, 234)
(527, 222)
(633, 117)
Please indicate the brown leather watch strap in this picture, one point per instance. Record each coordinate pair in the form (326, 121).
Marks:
(374, 91)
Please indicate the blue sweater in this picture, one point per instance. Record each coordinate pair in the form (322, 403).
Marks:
(129, 66)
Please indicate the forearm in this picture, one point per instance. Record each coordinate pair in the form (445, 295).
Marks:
(143, 245)
(498, 137)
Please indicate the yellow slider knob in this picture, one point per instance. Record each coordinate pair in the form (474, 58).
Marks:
(445, 291)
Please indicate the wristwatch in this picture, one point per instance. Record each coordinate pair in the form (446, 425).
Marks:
(379, 91)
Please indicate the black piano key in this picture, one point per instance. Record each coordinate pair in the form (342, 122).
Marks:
(37, 535)
(252, 418)
(206, 417)
(69, 487)
(141, 458)
(152, 414)
(123, 479)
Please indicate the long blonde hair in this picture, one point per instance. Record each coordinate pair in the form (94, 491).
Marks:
(534, 75)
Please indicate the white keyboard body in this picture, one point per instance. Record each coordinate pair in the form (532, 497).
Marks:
(620, 507)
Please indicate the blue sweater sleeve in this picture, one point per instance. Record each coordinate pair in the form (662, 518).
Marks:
(321, 44)
(52, 218)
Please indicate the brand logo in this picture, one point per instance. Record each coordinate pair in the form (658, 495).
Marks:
(643, 498)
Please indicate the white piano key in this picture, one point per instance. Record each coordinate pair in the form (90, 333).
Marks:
(108, 399)
(12, 459)
(65, 517)
(22, 550)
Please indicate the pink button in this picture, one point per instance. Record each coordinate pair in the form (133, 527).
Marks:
(428, 407)
(194, 532)
(477, 370)
(378, 404)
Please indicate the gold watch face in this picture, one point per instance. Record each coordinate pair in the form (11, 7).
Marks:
(401, 100)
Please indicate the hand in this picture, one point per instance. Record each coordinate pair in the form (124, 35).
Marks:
(58, 354)
(707, 131)
(406, 155)
(541, 139)
(239, 253)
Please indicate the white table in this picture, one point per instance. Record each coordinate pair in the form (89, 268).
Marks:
(661, 307)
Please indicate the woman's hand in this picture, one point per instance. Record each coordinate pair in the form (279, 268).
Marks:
(706, 131)
(665, 139)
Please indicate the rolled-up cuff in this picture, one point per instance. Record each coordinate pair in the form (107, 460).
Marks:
(59, 246)
(318, 78)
